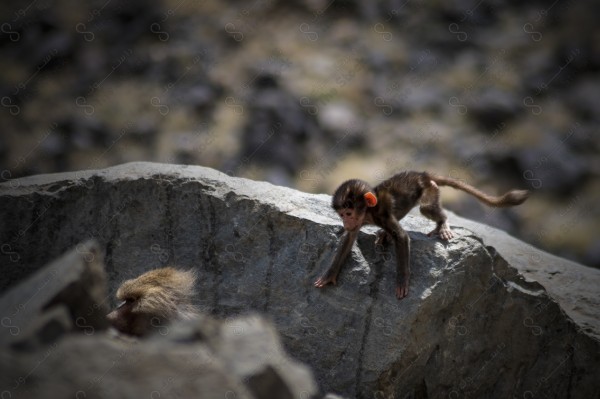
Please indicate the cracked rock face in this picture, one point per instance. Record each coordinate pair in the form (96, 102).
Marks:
(486, 315)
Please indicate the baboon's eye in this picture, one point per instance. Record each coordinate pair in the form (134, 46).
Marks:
(127, 301)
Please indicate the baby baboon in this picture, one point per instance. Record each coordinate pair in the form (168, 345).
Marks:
(153, 300)
(384, 205)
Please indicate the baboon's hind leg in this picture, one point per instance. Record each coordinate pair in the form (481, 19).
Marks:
(431, 208)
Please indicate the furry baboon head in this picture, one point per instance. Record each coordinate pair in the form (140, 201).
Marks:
(153, 300)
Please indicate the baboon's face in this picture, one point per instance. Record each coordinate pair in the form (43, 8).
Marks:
(351, 218)
(128, 318)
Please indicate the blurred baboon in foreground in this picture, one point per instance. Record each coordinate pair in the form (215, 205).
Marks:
(153, 300)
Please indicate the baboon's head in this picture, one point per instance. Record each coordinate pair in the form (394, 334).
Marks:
(153, 300)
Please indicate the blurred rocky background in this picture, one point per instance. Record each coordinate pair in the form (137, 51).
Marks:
(310, 93)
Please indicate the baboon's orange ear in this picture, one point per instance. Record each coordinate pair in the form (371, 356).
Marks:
(371, 199)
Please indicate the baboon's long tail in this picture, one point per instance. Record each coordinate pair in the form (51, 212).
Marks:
(511, 198)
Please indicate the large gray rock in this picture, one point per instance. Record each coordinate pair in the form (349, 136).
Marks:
(487, 315)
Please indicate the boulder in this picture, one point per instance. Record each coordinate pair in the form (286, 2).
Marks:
(486, 316)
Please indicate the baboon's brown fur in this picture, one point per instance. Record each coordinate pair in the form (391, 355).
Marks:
(153, 300)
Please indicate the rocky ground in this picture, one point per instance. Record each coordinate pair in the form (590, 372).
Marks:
(310, 93)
